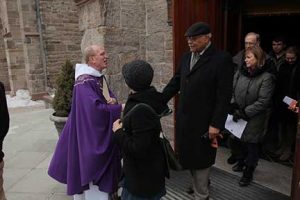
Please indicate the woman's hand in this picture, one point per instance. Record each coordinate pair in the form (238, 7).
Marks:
(117, 125)
(239, 114)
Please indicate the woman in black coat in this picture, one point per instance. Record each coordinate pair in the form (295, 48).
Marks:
(138, 136)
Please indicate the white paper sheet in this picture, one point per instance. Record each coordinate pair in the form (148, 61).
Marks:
(236, 128)
(289, 101)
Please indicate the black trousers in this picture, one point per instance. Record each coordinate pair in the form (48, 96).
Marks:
(244, 151)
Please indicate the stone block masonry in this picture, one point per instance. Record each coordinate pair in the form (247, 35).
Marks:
(38, 37)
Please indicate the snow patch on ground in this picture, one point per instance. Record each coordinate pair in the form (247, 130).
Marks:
(22, 99)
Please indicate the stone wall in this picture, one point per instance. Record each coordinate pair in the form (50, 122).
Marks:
(61, 35)
(159, 50)
(32, 53)
(130, 29)
(119, 26)
(34, 68)
(13, 44)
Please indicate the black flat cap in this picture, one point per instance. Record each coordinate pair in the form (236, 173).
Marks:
(199, 28)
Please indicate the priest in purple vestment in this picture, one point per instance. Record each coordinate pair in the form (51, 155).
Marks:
(86, 158)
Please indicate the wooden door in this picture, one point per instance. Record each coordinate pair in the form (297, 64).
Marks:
(232, 23)
(187, 12)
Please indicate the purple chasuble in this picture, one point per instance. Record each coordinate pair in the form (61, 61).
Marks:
(85, 151)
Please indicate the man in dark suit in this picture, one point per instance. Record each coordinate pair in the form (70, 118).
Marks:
(204, 80)
(4, 125)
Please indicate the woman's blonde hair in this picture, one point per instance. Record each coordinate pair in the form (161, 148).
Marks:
(259, 54)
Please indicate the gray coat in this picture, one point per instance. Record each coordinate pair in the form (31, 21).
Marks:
(253, 94)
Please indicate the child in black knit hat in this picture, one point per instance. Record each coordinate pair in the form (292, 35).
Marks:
(138, 135)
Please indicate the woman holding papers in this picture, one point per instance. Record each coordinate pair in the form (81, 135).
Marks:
(252, 91)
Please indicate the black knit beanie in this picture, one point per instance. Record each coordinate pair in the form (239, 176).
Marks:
(138, 75)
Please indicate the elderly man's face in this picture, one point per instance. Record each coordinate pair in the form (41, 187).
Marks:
(198, 43)
(290, 58)
(250, 41)
(99, 60)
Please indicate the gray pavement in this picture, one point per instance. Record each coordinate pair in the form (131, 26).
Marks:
(28, 149)
(30, 143)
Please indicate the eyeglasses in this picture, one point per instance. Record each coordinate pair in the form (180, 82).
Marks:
(291, 58)
(250, 43)
(193, 38)
(277, 44)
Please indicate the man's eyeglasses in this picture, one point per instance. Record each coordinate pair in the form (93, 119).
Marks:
(250, 43)
(290, 58)
(193, 38)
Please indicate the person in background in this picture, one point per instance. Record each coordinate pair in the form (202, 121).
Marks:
(138, 135)
(86, 158)
(252, 92)
(204, 84)
(277, 55)
(251, 39)
(277, 58)
(288, 84)
(4, 126)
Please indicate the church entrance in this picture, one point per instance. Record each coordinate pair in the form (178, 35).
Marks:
(230, 20)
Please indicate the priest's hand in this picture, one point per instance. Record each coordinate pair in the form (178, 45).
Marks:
(111, 101)
(117, 125)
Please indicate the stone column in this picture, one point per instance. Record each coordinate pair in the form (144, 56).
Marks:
(35, 71)
(61, 35)
(13, 45)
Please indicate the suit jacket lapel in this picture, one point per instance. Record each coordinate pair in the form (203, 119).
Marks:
(203, 59)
